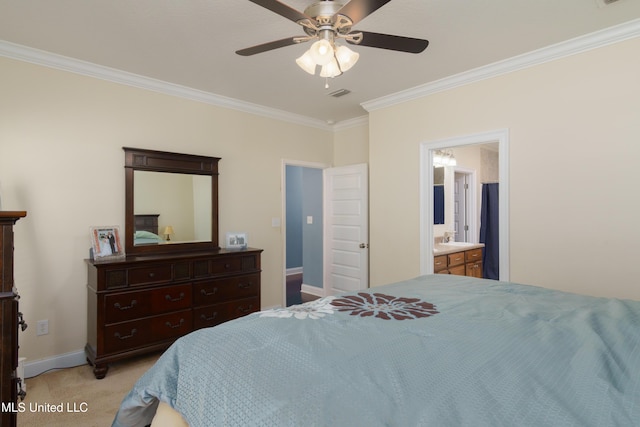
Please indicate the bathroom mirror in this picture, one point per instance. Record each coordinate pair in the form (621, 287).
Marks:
(171, 202)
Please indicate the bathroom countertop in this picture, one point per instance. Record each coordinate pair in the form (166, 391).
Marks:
(452, 247)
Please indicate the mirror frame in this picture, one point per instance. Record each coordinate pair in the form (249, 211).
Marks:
(162, 161)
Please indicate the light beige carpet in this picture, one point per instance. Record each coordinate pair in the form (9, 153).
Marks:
(84, 401)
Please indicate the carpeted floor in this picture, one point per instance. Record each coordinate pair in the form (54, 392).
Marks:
(84, 401)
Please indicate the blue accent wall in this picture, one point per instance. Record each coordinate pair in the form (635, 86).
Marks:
(312, 234)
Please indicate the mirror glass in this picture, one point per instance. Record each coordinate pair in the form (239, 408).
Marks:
(171, 208)
(438, 195)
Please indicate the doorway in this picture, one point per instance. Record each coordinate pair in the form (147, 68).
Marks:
(303, 231)
(325, 227)
(427, 149)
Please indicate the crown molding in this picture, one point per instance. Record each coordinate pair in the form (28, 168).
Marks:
(351, 123)
(60, 62)
(564, 49)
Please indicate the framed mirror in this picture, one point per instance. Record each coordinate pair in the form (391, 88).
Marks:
(171, 202)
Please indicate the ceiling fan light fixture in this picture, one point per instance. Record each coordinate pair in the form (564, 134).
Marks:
(331, 69)
(346, 57)
(306, 63)
(321, 52)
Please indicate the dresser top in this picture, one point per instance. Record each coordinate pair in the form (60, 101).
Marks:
(171, 256)
(12, 215)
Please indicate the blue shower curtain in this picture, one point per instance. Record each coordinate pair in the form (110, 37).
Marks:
(438, 204)
(489, 221)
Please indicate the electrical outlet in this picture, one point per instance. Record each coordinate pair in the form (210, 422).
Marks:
(43, 327)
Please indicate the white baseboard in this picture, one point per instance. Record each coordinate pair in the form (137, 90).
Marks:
(61, 361)
(294, 270)
(312, 290)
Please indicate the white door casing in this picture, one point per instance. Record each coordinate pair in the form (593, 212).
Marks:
(346, 229)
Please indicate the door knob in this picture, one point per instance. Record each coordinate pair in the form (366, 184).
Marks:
(364, 245)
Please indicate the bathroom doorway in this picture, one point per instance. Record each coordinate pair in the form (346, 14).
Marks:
(427, 233)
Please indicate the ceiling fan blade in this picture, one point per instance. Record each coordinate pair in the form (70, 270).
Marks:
(357, 10)
(388, 41)
(267, 46)
(281, 9)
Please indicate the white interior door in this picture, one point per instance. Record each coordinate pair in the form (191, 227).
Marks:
(346, 229)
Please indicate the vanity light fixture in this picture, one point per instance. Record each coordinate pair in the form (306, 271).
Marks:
(444, 158)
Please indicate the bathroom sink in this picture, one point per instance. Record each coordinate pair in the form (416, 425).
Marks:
(462, 244)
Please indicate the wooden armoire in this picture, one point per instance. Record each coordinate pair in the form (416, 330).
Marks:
(10, 320)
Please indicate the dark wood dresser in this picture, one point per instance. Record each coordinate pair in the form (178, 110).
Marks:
(141, 304)
(9, 321)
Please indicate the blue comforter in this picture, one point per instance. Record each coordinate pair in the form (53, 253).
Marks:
(432, 351)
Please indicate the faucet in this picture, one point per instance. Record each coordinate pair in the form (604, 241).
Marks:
(446, 237)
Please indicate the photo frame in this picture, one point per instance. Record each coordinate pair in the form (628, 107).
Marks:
(236, 240)
(106, 243)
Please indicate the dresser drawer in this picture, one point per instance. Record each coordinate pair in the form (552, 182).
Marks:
(215, 314)
(459, 270)
(142, 332)
(473, 255)
(132, 305)
(150, 275)
(439, 263)
(456, 258)
(243, 307)
(217, 266)
(214, 291)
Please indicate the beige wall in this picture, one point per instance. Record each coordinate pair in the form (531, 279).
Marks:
(61, 159)
(574, 148)
(351, 145)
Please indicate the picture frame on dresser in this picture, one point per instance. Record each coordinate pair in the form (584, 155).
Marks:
(236, 240)
(106, 242)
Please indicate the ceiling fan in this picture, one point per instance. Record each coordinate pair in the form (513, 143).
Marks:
(327, 21)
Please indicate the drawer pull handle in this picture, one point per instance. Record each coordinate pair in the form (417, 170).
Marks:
(125, 337)
(152, 275)
(169, 325)
(168, 297)
(206, 293)
(210, 318)
(245, 310)
(438, 263)
(125, 307)
(244, 285)
(474, 255)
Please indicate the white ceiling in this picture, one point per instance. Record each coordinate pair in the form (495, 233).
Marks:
(193, 43)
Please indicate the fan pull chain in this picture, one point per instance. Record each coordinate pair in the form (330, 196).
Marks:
(326, 82)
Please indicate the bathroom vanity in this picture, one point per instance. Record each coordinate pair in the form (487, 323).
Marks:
(459, 258)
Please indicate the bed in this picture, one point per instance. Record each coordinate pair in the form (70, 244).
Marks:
(146, 229)
(437, 350)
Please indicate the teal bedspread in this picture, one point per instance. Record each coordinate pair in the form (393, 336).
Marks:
(432, 351)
